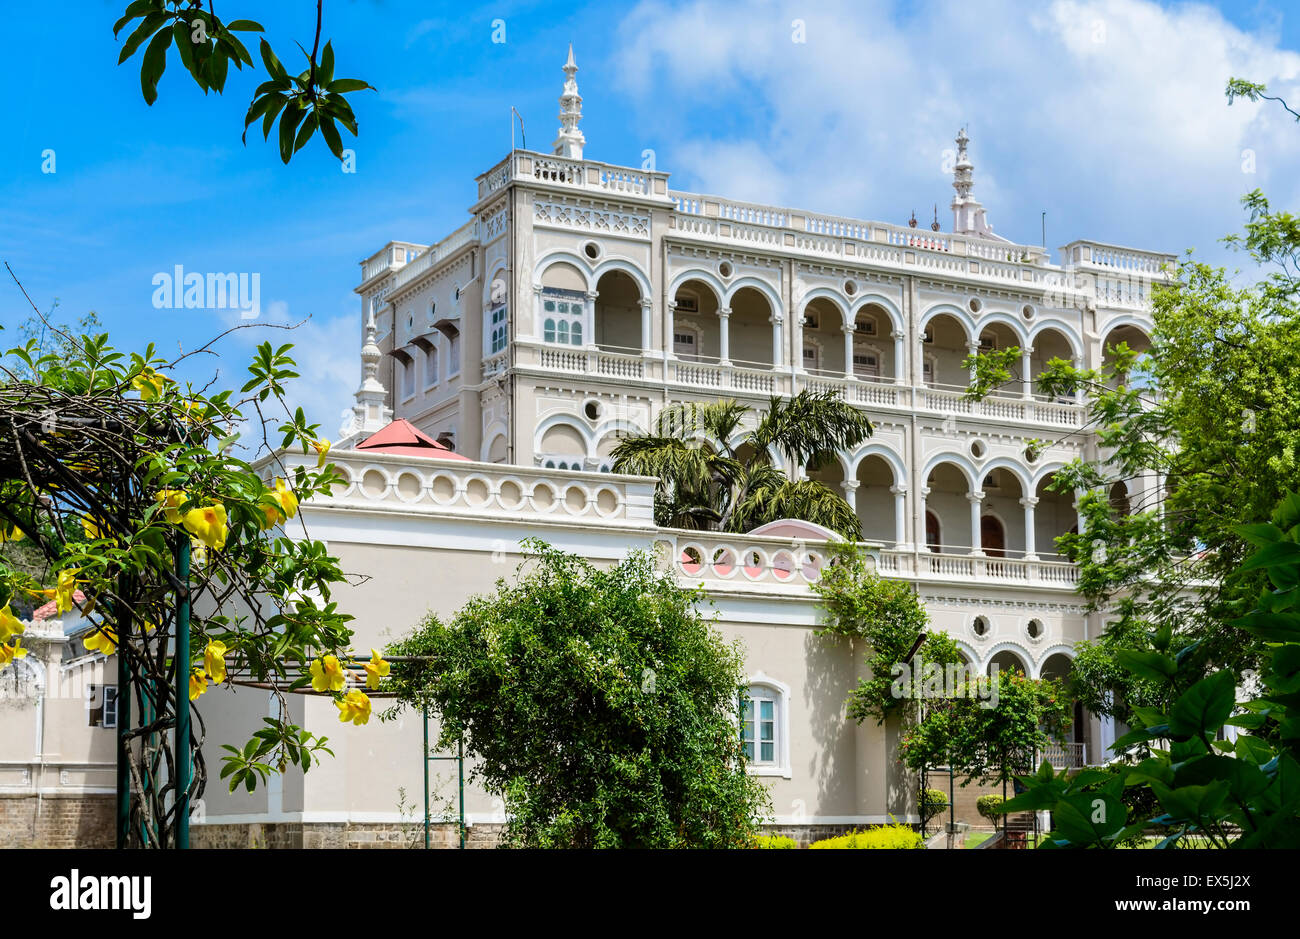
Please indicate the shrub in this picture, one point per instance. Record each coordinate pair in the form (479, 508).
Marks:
(988, 806)
(773, 841)
(894, 836)
(933, 802)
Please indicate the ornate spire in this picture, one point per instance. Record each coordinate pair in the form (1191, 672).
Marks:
(371, 411)
(968, 217)
(961, 171)
(570, 141)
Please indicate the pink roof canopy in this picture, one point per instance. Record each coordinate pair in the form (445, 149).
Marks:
(400, 438)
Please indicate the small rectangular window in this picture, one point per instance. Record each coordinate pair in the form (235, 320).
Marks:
(101, 705)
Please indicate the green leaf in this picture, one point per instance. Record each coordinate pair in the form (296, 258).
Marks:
(332, 138)
(142, 32)
(155, 62)
(1203, 708)
(344, 85)
(1154, 666)
(304, 134)
(244, 26)
(273, 66)
(325, 70)
(1280, 554)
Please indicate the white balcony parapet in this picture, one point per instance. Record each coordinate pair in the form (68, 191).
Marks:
(526, 166)
(393, 256)
(466, 234)
(428, 486)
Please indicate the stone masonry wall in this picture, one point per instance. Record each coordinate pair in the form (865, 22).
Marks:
(27, 821)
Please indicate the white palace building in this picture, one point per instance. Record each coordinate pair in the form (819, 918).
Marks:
(578, 300)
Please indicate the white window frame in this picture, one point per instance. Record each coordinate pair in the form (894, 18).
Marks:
(566, 324)
(864, 370)
(497, 329)
(694, 332)
(107, 709)
(762, 688)
(816, 347)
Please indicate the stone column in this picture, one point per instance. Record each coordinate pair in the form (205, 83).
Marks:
(900, 356)
(1026, 368)
(848, 351)
(724, 336)
(646, 341)
(850, 487)
(796, 343)
(1031, 547)
(973, 348)
(1079, 393)
(976, 541)
(900, 516)
(589, 321)
(539, 315)
(670, 308)
(921, 543)
(778, 360)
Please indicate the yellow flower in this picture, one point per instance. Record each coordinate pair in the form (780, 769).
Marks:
(171, 500)
(208, 524)
(198, 552)
(285, 507)
(92, 529)
(214, 661)
(13, 534)
(354, 707)
(9, 624)
(66, 586)
(327, 674)
(376, 669)
(150, 384)
(103, 639)
(198, 683)
(192, 412)
(322, 447)
(16, 651)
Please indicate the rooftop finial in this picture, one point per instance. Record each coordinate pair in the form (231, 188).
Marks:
(570, 141)
(371, 412)
(961, 171)
(968, 216)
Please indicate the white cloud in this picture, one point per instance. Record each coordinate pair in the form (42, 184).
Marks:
(1108, 113)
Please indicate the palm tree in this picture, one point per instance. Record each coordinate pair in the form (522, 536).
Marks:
(705, 482)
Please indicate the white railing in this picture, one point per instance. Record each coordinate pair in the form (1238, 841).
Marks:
(394, 255)
(1115, 258)
(926, 565)
(466, 234)
(1066, 755)
(745, 559)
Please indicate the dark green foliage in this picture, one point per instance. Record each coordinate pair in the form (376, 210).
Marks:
(714, 476)
(598, 702)
(888, 618)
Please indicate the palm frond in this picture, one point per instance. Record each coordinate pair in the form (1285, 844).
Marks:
(806, 499)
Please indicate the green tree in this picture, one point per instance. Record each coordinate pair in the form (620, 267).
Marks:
(121, 484)
(598, 702)
(887, 617)
(715, 475)
(988, 729)
(1242, 793)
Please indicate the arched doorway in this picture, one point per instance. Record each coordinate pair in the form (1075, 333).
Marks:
(933, 534)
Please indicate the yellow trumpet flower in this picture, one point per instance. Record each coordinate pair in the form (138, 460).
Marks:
(12, 534)
(376, 669)
(198, 683)
(9, 624)
(102, 639)
(322, 448)
(208, 524)
(326, 674)
(65, 588)
(214, 661)
(150, 384)
(93, 530)
(16, 651)
(171, 500)
(355, 707)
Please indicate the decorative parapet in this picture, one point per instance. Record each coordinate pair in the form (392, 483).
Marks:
(386, 483)
(525, 166)
(393, 256)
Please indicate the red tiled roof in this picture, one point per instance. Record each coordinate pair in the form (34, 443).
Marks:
(400, 438)
(51, 609)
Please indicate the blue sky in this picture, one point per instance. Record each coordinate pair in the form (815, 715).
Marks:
(1107, 114)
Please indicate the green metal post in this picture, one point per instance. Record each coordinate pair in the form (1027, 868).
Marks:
(184, 769)
(123, 726)
(426, 778)
(952, 801)
(460, 766)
